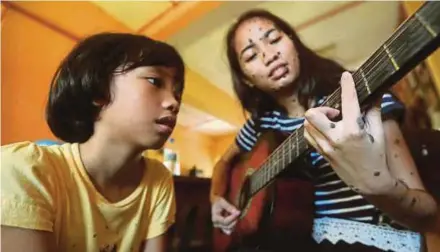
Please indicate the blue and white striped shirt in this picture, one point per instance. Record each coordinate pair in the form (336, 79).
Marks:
(333, 198)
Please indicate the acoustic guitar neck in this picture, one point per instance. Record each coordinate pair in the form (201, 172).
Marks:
(415, 39)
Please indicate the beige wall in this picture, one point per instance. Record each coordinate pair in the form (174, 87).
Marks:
(196, 149)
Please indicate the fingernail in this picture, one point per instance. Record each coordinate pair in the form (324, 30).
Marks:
(309, 113)
(346, 75)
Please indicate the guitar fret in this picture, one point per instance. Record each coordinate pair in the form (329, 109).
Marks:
(425, 25)
(275, 170)
(367, 85)
(258, 184)
(264, 180)
(268, 178)
(393, 61)
(282, 156)
(408, 40)
(380, 76)
(265, 176)
(272, 163)
(289, 153)
(271, 171)
(296, 141)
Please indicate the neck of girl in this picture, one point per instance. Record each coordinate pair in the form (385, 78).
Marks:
(111, 163)
(290, 102)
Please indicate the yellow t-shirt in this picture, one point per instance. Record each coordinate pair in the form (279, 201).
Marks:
(47, 188)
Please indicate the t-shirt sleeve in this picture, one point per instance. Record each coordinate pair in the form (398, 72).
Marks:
(164, 207)
(247, 136)
(26, 195)
(392, 108)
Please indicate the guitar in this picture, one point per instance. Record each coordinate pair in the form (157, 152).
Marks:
(273, 207)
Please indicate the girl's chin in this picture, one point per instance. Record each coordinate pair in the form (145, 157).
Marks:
(281, 84)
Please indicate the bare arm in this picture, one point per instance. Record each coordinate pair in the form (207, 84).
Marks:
(157, 244)
(224, 215)
(24, 240)
(221, 169)
(374, 159)
(407, 201)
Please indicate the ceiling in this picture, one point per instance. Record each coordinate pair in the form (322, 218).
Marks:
(342, 30)
(348, 36)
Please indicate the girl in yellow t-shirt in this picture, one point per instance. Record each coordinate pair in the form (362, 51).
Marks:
(114, 96)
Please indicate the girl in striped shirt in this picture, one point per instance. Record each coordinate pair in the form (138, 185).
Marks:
(364, 200)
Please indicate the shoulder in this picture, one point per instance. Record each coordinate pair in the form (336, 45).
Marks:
(389, 99)
(25, 156)
(158, 175)
(25, 151)
(247, 135)
(28, 186)
(158, 169)
(28, 164)
(392, 108)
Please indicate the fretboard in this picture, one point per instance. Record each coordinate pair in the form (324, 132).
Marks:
(411, 43)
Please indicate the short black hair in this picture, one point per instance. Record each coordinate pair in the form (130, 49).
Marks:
(85, 75)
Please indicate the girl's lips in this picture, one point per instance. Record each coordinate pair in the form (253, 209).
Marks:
(166, 129)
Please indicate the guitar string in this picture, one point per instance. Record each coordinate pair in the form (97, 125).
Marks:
(377, 59)
(281, 152)
(336, 94)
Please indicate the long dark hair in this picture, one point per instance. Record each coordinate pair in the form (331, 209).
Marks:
(318, 76)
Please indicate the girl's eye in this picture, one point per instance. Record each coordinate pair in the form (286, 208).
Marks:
(273, 41)
(154, 81)
(251, 57)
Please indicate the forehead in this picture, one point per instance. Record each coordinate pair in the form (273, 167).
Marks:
(164, 71)
(253, 28)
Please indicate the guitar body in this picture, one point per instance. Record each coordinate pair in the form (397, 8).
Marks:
(277, 216)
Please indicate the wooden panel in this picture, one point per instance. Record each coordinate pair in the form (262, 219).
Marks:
(193, 229)
(78, 18)
(31, 53)
(134, 14)
(175, 19)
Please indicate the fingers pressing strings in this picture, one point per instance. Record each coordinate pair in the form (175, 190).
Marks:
(350, 104)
